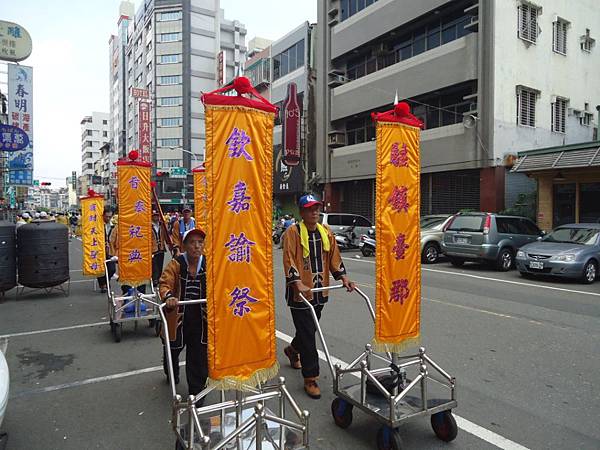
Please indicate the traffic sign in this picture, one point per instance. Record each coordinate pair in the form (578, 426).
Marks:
(36, 182)
(178, 172)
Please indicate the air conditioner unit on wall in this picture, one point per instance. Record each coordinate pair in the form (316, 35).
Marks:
(336, 139)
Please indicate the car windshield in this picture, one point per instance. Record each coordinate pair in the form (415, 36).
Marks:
(467, 223)
(582, 236)
(428, 223)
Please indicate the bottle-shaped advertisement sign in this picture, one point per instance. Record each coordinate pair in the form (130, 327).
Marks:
(291, 127)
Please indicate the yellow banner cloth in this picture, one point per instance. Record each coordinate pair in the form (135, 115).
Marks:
(241, 311)
(398, 261)
(93, 237)
(200, 198)
(135, 234)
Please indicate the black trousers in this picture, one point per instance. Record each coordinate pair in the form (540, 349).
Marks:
(305, 341)
(111, 269)
(125, 288)
(158, 260)
(196, 361)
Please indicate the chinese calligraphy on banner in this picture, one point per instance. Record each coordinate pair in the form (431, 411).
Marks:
(144, 130)
(398, 262)
(92, 237)
(134, 233)
(20, 114)
(200, 197)
(241, 315)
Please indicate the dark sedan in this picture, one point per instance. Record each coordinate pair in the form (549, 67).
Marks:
(571, 251)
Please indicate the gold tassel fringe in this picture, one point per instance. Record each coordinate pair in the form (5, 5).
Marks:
(399, 347)
(242, 384)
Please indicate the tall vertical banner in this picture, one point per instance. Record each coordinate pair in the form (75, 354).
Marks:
(241, 309)
(93, 236)
(398, 262)
(20, 114)
(134, 232)
(200, 197)
(144, 130)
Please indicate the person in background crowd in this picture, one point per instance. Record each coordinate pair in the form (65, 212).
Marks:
(159, 247)
(186, 223)
(109, 231)
(26, 217)
(183, 279)
(61, 218)
(73, 224)
(36, 215)
(20, 220)
(310, 254)
(43, 216)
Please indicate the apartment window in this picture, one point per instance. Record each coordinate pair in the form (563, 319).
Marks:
(559, 115)
(169, 79)
(288, 60)
(149, 47)
(169, 59)
(528, 25)
(105, 134)
(88, 132)
(359, 131)
(559, 36)
(526, 99)
(170, 122)
(169, 37)
(138, 80)
(105, 122)
(169, 142)
(149, 66)
(169, 101)
(168, 16)
(166, 163)
(350, 7)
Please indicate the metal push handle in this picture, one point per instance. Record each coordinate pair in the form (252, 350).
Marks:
(316, 319)
(167, 342)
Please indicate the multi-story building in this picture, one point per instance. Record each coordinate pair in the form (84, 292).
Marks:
(272, 70)
(174, 52)
(95, 131)
(473, 71)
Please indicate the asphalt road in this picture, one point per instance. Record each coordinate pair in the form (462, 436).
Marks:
(525, 354)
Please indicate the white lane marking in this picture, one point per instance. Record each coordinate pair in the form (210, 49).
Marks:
(464, 424)
(519, 283)
(52, 330)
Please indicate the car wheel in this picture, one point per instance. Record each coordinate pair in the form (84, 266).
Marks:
(590, 272)
(505, 260)
(457, 262)
(430, 254)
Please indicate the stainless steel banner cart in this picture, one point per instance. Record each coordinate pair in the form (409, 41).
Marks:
(131, 308)
(254, 418)
(401, 388)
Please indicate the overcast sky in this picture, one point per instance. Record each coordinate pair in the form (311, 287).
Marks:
(70, 64)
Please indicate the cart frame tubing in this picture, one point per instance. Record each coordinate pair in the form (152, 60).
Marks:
(257, 396)
(361, 368)
(113, 309)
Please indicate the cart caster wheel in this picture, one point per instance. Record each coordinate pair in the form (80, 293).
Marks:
(117, 331)
(444, 426)
(341, 411)
(389, 439)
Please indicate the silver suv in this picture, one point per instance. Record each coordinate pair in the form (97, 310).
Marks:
(487, 237)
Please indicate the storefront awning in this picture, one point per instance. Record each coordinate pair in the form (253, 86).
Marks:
(565, 157)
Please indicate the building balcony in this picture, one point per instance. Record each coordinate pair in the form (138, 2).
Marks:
(452, 147)
(447, 65)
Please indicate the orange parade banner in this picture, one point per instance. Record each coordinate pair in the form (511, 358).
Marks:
(200, 197)
(93, 236)
(241, 307)
(134, 225)
(397, 215)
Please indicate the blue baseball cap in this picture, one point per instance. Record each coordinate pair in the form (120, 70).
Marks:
(306, 201)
